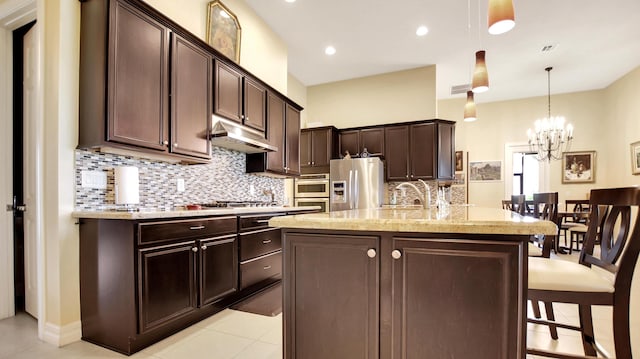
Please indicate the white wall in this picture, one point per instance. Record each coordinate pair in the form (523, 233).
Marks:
(400, 96)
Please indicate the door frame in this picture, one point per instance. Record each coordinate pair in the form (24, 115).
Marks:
(509, 150)
(14, 14)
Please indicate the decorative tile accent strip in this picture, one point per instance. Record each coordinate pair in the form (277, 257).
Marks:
(224, 179)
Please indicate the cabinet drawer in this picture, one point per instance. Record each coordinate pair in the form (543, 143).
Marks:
(260, 242)
(248, 223)
(189, 228)
(259, 269)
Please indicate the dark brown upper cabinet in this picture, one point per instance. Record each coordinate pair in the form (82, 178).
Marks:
(350, 142)
(423, 150)
(239, 98)
(318, 146)
(190, 98)
(138, 79)
(355, 141)
(283, 132)
(127, 82)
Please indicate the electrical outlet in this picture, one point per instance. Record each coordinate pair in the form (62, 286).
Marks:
(180, 184)
(252, 190)
(94, 179)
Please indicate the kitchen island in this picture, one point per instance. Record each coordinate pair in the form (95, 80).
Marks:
(406, 283)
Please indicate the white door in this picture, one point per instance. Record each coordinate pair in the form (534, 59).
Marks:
(31, 80)
(7, 308)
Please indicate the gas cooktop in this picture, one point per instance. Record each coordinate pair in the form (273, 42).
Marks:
(236, 204)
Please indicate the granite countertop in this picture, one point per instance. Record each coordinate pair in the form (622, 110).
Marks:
(459, 219)
(157, 213)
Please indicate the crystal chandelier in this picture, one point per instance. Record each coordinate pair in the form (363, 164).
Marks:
(551, 137)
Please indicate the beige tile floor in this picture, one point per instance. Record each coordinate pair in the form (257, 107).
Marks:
(238, 335)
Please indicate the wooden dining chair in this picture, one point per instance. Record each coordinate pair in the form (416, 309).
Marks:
(506, 204)
(545, 207)
(518, 204)
(577, 206)
(595, 280)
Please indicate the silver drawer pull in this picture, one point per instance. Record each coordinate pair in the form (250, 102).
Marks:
(194, 249)
(196, 228)
(266, 267)
(203, 247)
(266, 241)
(262, 221)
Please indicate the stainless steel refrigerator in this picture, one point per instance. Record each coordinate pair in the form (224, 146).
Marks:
(356, 183)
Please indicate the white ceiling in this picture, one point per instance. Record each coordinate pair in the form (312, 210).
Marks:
(597, 42)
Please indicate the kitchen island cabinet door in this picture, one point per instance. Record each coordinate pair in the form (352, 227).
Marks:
(331, 303)
(397, 152)
(167, 286)
(218, 268)
(138, 76)
(454, 298)
(190, 98)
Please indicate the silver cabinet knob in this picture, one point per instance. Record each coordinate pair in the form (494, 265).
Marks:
(204, 246)
(371, 253)
(194, 249)
(396, 254)
(165, 142)
(175, 145)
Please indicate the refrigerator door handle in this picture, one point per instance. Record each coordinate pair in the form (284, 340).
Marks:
(349, 190)
(356, 190)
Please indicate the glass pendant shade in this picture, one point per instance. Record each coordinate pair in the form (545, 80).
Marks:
(470, 108)
(501, 16)
(480, 82)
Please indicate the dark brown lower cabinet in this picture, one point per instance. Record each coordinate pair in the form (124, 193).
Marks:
(331, 296)
(218, 268)
(388, 295)
(141, 281)
(167, 283)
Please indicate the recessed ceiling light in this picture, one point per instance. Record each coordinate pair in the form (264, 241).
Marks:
(330, 50)
(422, 30)
(290, 0)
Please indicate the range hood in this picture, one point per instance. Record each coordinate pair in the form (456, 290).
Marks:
(228, 134)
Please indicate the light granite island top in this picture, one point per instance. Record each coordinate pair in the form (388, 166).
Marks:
(406, 283)
(459, 219)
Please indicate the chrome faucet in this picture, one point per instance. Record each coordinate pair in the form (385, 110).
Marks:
(426, 196)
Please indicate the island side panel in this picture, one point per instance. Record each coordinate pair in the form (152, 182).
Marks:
(331, 296)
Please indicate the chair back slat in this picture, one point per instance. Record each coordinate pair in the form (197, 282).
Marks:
(610, 222)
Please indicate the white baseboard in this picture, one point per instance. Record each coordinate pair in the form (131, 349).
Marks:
(61, 336)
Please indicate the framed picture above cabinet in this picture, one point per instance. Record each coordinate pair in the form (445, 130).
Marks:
(223, 30)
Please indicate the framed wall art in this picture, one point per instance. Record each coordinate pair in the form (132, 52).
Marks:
(635, 158)
(485, 171)
(459, 161)
(223, 30)
(579, 167)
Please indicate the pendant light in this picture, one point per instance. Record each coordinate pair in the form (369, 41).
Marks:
(480, 82)
(501, 16)
(470, 108)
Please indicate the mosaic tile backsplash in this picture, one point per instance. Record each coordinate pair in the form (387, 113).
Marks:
(224, 179)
